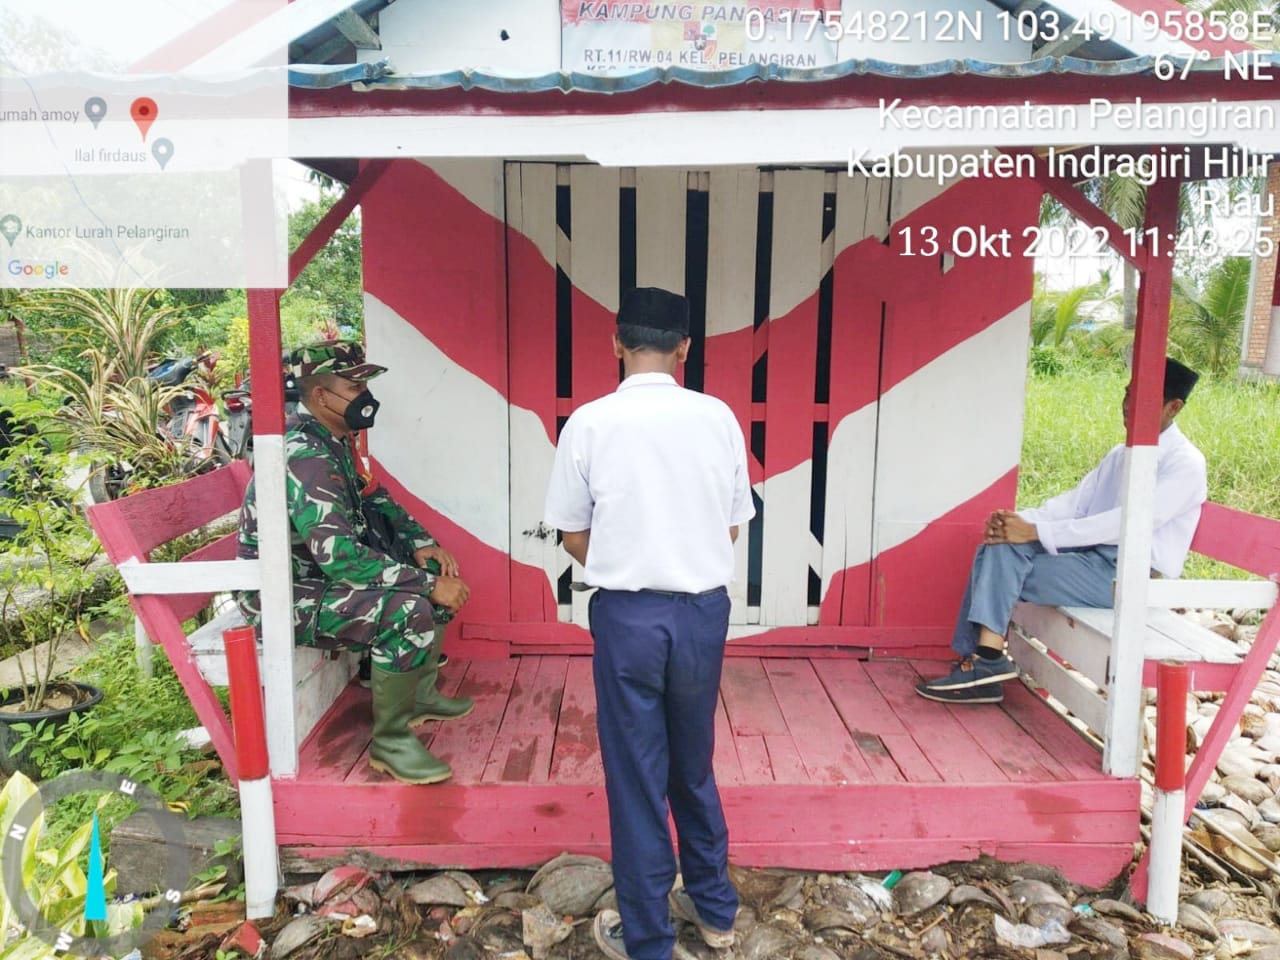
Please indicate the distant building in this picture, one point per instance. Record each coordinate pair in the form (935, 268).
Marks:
(10, 354)
(1260, 350)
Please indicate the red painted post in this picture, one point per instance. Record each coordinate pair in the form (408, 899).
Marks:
(1163, 866)
(248, 724)
(266, 369)
(257, 807)
(1151, 338)
(1173, 681)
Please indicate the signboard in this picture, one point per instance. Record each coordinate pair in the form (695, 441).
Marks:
(616, 39)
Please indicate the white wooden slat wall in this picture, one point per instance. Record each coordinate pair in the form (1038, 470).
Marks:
(661, 200)
(593, 268)
(531, 209)
(796, 271)
(734, 210)
(799, 260)
(862, 210)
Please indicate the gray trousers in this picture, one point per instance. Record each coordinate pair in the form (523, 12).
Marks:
(1005, 573)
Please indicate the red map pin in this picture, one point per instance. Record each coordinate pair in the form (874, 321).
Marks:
(144, 112)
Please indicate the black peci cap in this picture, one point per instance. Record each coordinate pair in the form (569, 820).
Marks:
(656, 309)
(1178, 380)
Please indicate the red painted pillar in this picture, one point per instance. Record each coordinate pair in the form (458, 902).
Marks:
(1151, 338)
(247, 722)
(1158, 874)
(1173, 682)
(276, 590)
(265, 367)
(257, 813)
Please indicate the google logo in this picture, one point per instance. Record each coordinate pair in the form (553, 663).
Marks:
(55, 268)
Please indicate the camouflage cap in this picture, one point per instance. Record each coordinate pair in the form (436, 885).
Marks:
(342, 357)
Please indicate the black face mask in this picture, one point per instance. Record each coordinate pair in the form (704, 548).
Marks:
(361, 411)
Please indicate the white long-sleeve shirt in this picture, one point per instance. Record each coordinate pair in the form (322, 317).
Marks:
(1089, 515)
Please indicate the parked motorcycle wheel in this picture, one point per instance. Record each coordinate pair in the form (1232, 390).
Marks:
(203, 461)
(107, 482)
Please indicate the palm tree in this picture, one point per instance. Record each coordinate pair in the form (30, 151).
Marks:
(1124, 199)
(1056, 313)
(1206, 322)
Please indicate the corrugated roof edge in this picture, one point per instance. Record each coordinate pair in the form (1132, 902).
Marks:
(379, 75)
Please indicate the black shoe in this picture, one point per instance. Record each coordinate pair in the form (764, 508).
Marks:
(975, 671)
(988, 693)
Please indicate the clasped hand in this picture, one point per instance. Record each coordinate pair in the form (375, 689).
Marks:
(1005, 526)
(449, 591)
(448, 565)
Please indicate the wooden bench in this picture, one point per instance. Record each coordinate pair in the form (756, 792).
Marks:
(164, 596)
(1066, 651)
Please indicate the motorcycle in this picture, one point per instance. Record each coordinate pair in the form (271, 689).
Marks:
(193, 427)
(239, 404)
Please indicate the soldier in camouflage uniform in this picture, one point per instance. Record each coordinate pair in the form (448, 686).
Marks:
(387, 590)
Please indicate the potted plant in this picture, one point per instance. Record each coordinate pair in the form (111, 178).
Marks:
(47, 583)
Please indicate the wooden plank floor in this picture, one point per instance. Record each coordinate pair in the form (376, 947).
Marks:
(823, 764)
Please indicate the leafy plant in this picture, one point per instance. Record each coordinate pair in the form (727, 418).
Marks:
(110, 407)
(46, 582)
(225, 852)
(55, 881)
(134, 731)
(124, 325)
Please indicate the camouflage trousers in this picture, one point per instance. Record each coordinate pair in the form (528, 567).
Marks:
(396, 627)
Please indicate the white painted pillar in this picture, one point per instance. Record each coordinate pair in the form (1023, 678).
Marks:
(277, 603)
(142, 647)
(1165, 874)
(1123, 752)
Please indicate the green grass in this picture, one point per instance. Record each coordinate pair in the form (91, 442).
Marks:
(1073, 419)
(11, 392)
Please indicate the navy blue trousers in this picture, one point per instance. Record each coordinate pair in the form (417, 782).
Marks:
(657, 674)
(1004, 573)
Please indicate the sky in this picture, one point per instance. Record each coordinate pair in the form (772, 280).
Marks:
(96, 27)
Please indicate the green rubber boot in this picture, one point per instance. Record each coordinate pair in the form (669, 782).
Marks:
(430, 703)
(395, 748)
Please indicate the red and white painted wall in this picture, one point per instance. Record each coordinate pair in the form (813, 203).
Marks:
(881, 394)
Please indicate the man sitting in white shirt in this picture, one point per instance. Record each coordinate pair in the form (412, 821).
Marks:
(1064, 552)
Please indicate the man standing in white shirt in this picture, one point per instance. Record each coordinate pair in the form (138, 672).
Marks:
(1064, 552)
(648, 489)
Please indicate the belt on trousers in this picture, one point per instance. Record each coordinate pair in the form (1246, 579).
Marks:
(580, 587)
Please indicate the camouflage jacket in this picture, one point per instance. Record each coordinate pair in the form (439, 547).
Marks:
(325, 493)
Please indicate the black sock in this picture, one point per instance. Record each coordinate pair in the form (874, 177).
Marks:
(990, 653)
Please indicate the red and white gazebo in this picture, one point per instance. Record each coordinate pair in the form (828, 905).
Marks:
(506, 201)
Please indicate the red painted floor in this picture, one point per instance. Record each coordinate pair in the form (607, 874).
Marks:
(823, 764)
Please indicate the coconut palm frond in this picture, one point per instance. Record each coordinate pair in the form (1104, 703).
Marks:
(1125, 199)
(1108, 341)
(1053, 213)
(1056, 313)
(1206, 323)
